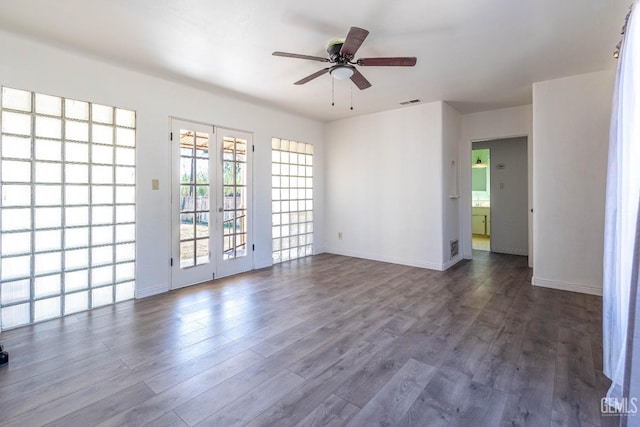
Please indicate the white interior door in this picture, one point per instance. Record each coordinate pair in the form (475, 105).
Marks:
(193, 203)
(234, 247)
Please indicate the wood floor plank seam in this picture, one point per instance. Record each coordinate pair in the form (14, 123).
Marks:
(323, 340)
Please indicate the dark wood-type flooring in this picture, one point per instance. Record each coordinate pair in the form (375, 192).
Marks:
(326, 340)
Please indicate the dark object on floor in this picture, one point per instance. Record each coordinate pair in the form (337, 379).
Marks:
(4, 357)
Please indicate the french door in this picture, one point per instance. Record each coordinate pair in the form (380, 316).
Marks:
(211, 198)
(191, 197)
(234, 251)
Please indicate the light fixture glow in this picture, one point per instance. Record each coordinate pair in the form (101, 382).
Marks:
(342, 72)
(479, 164)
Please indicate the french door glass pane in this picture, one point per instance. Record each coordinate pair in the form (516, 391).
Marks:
(234, 192)
(67, 206)
(194, 199)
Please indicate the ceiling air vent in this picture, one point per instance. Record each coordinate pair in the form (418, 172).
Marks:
(413, 101)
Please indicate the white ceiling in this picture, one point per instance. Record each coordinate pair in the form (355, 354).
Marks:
(475, 54)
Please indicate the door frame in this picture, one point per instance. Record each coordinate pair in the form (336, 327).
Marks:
(216, 162)
(466, 195)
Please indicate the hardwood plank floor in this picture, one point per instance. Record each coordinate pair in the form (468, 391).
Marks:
(325, 340)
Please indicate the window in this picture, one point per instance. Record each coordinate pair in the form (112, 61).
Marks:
(292, 199)
(67, 206)
(194, 198)
(234, 193)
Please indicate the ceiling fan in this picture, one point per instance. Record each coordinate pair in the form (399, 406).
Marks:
(341, 54)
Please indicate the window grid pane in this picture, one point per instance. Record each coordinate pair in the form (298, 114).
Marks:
(68, 206)
(234, 189)
(194, 198)
(292, 199)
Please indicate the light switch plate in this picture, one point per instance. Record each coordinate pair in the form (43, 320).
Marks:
(155, 184)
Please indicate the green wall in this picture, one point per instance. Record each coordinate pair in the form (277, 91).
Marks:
(480, 178)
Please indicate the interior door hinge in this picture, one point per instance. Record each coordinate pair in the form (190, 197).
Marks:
(171, 262)
(253, 148)
(253, 247)
(171, 136)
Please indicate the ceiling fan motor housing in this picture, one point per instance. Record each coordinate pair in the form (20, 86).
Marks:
(334, 52)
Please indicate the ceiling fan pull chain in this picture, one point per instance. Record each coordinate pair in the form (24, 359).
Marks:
(333, 92)
(351, 86)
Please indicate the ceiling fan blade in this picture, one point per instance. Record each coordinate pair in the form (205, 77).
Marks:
(359, 80)
(312, 76)
(402, 61)
(297, 55)
(353, 41)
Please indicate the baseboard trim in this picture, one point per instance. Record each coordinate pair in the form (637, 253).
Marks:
(263, 263)
(394, 260)
(571, 287)
(159, 289)
(447, 265)
(511, 251)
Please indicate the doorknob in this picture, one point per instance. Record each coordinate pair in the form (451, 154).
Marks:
(220, 209)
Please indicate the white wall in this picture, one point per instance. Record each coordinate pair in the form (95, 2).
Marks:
(384, 186)
(571, 131)
(451, 122)
(494, 124)
(509, 198)
(30, 65)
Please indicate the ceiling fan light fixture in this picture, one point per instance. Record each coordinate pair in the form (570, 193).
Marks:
(342, 72)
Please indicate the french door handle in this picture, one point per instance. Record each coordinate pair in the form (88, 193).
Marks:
(220, 209)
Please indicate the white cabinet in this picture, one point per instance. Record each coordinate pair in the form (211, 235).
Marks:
(481, 220)
(479, 224)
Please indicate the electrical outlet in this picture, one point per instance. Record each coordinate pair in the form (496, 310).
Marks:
(155, 184)
(339, 235)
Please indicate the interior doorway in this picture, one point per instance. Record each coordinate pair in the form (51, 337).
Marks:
(481, 199)
(499, 204)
